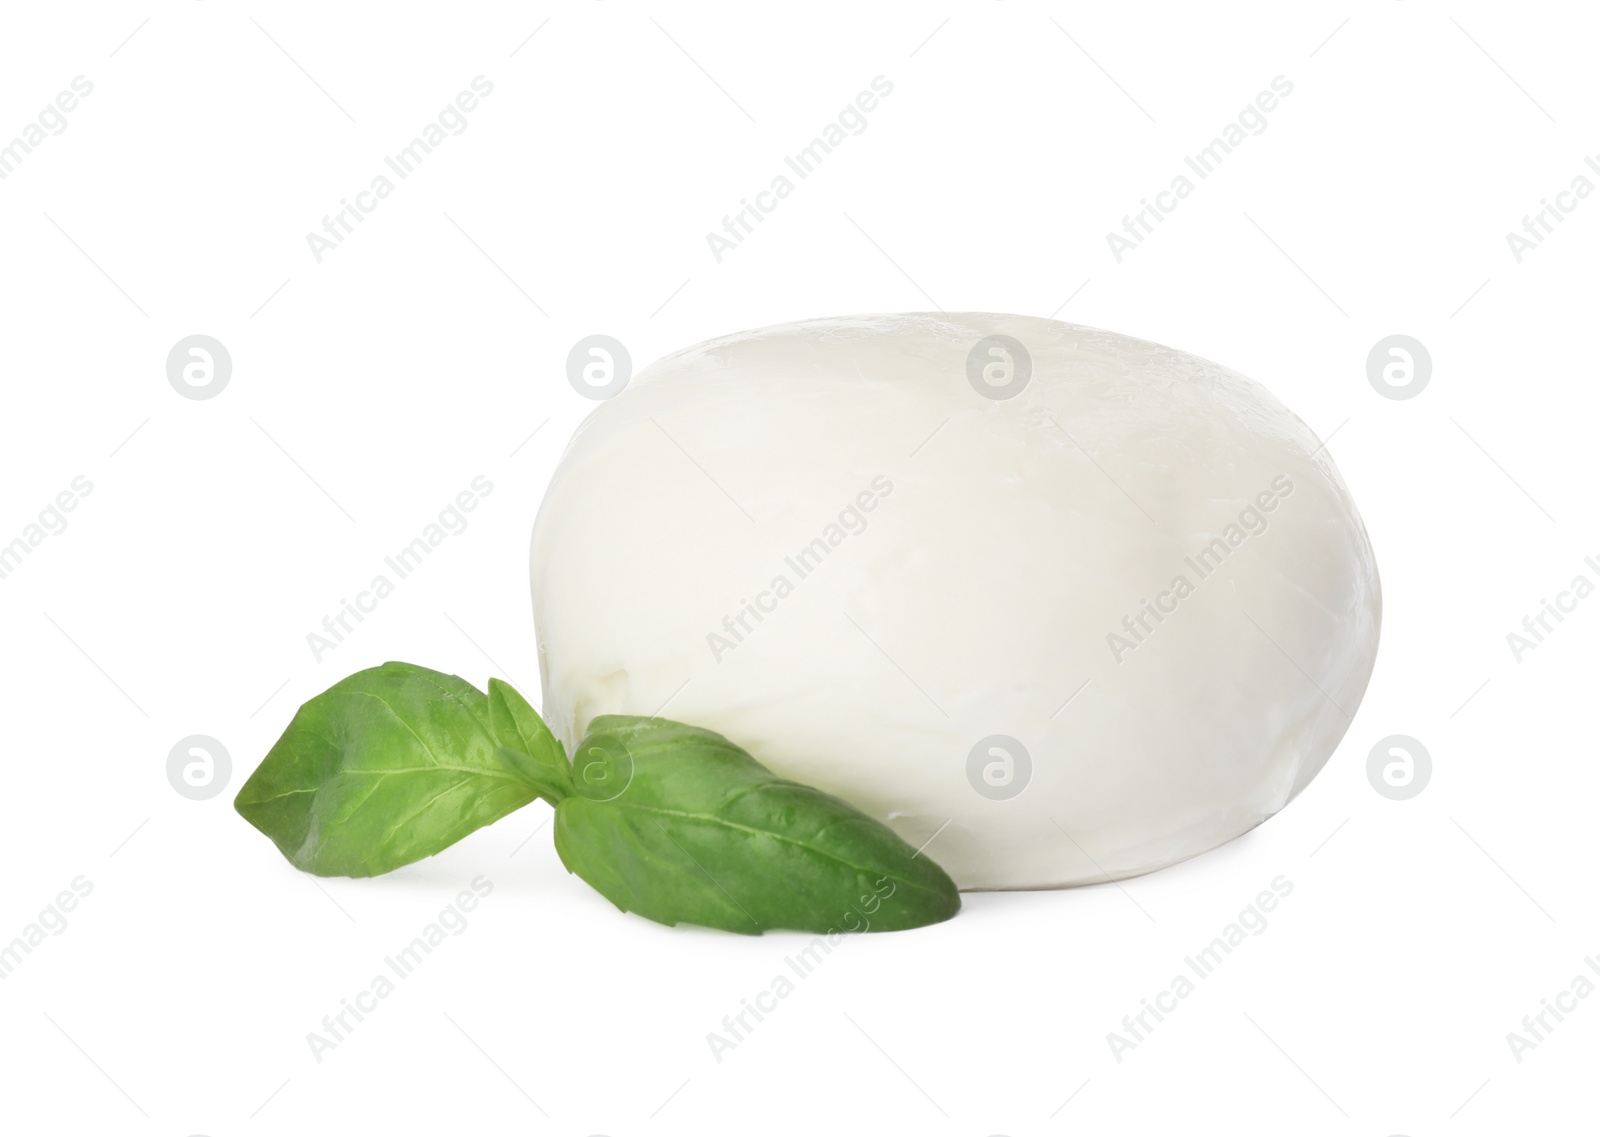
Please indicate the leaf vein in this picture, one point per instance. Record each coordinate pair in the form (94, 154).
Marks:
(711, 819)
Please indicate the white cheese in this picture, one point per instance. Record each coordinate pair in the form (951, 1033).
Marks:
(1109, 620)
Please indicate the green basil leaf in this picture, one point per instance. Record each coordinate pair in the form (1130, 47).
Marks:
(527, 748)
(680, 825)
(384, 768)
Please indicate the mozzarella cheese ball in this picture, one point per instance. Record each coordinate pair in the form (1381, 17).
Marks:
(1067, 606)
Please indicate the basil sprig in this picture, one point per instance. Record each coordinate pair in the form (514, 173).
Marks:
(670, 821)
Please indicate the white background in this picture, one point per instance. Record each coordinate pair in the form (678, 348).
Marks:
(369, 389)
